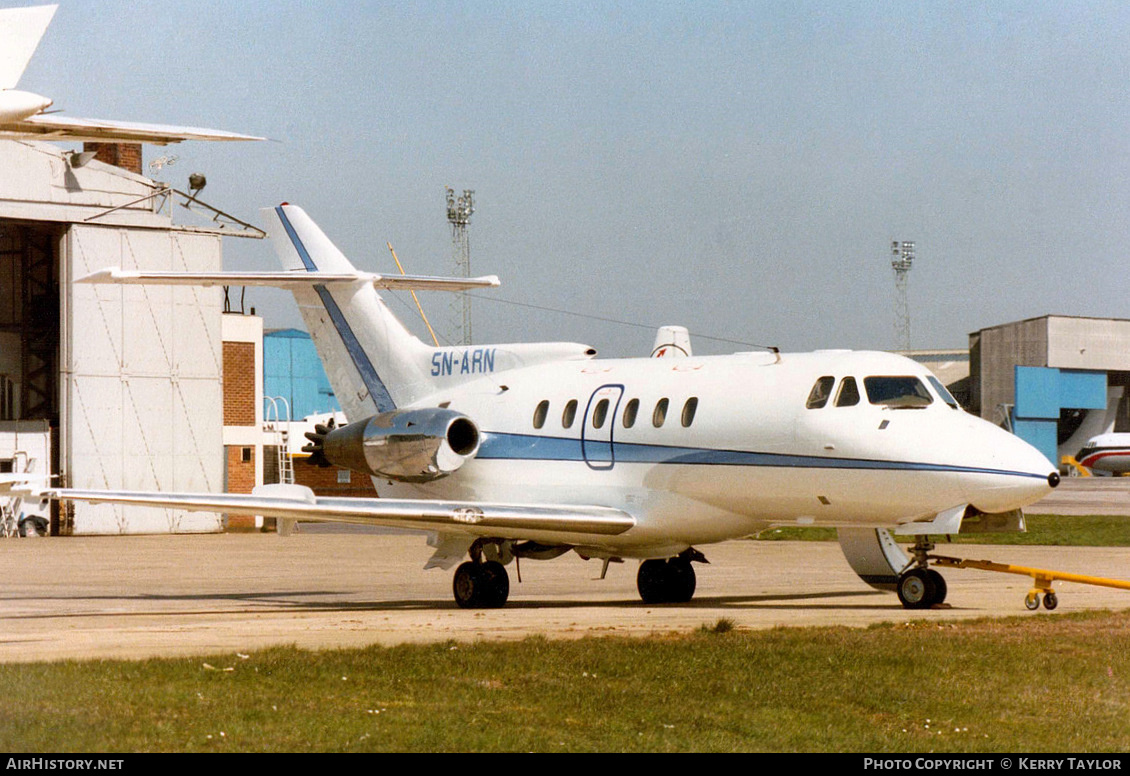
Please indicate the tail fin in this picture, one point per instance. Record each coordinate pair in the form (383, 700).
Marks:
(20, 32)
(374, 364)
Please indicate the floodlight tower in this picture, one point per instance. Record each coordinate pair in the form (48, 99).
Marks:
(459, 210)
(903, 256)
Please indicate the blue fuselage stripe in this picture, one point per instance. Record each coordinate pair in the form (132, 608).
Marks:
(373, 382)
(528, 447)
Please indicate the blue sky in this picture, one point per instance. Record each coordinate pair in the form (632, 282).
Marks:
(739, 168)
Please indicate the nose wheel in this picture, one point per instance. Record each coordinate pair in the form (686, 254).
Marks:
(921, 588)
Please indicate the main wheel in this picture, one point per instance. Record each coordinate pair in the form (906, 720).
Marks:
(681, 580)
(651, 581)
(469, 586)
(916, 589)
(496, 584)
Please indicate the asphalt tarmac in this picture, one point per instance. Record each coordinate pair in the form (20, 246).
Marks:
(141, 596)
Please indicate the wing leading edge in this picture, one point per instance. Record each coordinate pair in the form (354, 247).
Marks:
(558, 523)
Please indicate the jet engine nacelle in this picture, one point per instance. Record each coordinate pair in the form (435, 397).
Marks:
(407, 445)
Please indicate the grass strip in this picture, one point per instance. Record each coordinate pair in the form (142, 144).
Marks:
(1030, 684)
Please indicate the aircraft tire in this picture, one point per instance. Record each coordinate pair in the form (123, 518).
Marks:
(681, 580)
(940, 588)
(651, 581)
(496, 584)
(916, 589)
(469, 586)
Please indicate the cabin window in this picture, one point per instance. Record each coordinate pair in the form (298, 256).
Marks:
(947, 397)
(820, 392)
(660, 414)
(849, 393)
(630, 412)
(600, 413)
(570, 414)
(897, 392)
(540, 413)
(689, 410)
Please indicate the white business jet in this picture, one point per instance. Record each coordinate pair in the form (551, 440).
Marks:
(25, 115)
(530, 451)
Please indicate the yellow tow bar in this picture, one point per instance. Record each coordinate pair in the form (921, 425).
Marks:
(1041, 578)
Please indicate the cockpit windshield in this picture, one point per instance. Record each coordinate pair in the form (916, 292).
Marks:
(897, 392)
(947, 397)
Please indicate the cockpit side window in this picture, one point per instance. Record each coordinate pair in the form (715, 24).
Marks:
(947, 397)
(897, 392)
(848, 395)
(820, 393)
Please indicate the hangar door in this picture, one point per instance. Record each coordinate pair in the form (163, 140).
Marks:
(142, 372)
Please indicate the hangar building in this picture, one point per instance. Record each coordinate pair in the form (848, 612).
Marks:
(1056, 380)
(112, 386)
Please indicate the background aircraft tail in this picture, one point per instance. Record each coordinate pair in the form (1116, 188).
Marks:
(20, 32)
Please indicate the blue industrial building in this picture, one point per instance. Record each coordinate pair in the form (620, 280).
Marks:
(293, 371)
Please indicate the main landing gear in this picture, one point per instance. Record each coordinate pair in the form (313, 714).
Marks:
(670, 581)
(480, 583)
(921, 587)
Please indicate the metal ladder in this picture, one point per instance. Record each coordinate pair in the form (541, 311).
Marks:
(273, 421)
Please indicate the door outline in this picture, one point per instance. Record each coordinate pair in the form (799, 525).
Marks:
(593, 440)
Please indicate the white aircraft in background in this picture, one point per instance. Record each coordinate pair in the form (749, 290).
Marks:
(1108, 453)
(24, 115)
(530, 451)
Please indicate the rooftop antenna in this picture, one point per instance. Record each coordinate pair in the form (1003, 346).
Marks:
(459, 210)
(902, 253)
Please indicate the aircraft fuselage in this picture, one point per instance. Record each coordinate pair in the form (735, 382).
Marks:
(710, 448)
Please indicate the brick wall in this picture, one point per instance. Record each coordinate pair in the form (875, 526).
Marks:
(124, 155)
(239, 384)
(324, 481)
(241, 479)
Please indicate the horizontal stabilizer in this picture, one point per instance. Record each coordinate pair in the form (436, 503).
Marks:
(288, 279)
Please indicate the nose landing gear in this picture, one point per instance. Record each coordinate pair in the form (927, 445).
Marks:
(921, 587)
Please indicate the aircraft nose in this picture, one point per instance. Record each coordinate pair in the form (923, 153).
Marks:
(1024, 474)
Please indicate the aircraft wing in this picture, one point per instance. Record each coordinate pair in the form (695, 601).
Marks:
(52, 126)
(557, 523)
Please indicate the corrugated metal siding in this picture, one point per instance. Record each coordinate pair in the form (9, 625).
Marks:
(144, 393)
(1089, 343)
